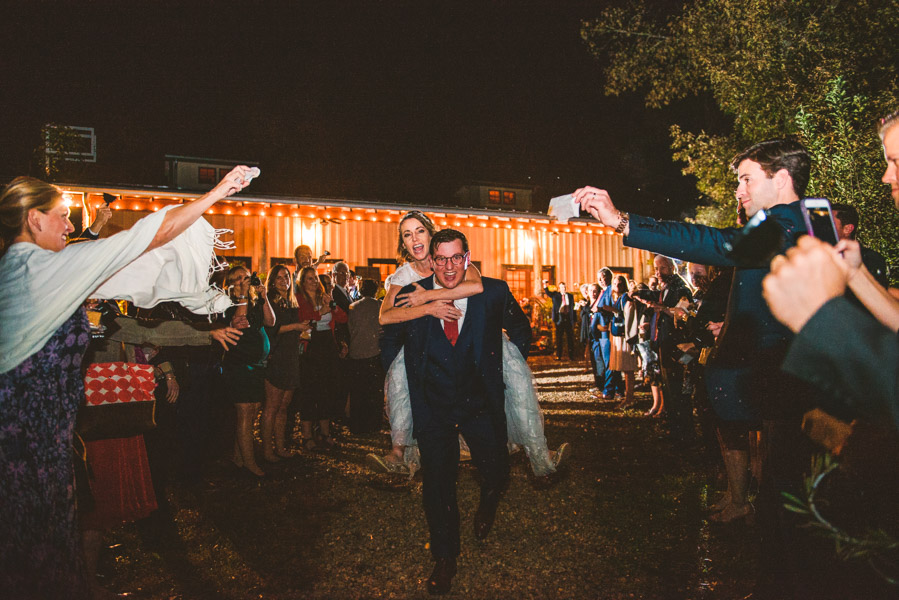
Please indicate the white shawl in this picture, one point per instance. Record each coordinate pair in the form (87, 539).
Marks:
(41, 289)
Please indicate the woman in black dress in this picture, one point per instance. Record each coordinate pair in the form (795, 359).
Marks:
(282, 372)
(319, 394)
(242, 366)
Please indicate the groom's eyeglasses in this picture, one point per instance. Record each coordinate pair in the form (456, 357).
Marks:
(457, 259)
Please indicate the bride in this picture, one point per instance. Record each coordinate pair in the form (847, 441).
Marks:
(523, 415)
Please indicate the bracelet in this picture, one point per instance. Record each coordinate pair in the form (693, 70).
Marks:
(622, 224)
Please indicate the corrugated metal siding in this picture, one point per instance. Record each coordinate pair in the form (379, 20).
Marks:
(576, 256)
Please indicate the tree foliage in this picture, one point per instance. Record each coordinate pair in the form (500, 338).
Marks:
(820, 70)
(52, 157)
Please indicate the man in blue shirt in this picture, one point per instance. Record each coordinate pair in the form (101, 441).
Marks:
(600, 324)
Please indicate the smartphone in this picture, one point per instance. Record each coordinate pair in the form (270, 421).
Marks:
(819, 219)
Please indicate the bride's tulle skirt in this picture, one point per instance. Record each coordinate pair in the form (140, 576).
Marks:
(524, 419)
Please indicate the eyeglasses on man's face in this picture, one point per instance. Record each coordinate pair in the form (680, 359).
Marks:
(457, 259)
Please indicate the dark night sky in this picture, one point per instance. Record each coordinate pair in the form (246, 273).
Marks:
(377, 100)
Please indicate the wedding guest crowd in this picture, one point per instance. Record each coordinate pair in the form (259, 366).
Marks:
(735, 349)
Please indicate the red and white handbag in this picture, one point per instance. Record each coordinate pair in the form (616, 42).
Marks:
(119, 401)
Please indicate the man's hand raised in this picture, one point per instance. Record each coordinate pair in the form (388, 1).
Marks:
(598, 203)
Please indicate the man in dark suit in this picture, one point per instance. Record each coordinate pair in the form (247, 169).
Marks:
(745, 376)
(455, 373)
(840, 347)
(563, 317)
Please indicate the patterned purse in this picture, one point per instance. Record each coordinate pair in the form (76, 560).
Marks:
(119, 401)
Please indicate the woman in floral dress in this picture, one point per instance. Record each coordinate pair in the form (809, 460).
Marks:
(43, 336)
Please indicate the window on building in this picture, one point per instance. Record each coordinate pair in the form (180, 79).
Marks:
(281, 260)
(385, 266)
(509, 198)
(206, 175)
(494, 196)
(520, 280)
(223, 172)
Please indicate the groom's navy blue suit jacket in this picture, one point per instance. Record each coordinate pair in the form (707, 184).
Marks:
(481, 343)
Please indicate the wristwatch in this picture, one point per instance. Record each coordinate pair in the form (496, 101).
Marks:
(622, 224)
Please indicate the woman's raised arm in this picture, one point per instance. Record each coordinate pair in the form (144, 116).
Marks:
(181, 217)
(470, 286)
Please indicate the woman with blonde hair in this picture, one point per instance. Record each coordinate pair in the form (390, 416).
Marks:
(43, 336)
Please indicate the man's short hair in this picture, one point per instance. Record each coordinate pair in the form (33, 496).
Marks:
(606, 271)
(774, 155)
(369, 288)
(847, 216)
(887, 123)
(447, 235)
(337, 264)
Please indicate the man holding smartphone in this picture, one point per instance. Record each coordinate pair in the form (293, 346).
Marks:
(838, 346)
(845, 219)
(744, 378)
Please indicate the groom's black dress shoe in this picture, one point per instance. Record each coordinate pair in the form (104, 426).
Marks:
(442, 576)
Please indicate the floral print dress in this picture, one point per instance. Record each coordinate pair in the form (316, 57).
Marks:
(40, 553)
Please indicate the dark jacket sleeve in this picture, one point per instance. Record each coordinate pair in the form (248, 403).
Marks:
(516, 323)
(87, 234)
(845, 351)
(876, 265)
(703, 244)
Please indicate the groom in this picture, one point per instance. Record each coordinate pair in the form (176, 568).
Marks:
(455, 373)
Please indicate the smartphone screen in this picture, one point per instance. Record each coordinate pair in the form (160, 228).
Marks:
(819, 220)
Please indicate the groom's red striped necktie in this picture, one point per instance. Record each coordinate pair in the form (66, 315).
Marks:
(451, 328)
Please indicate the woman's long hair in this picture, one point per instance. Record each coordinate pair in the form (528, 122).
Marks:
(403, 254)
(274, 295)
(617, 284)
(20, 196)
(232, 275)
(314, 302)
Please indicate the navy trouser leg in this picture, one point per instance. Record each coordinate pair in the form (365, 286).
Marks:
(439, 447)
(489, 455)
